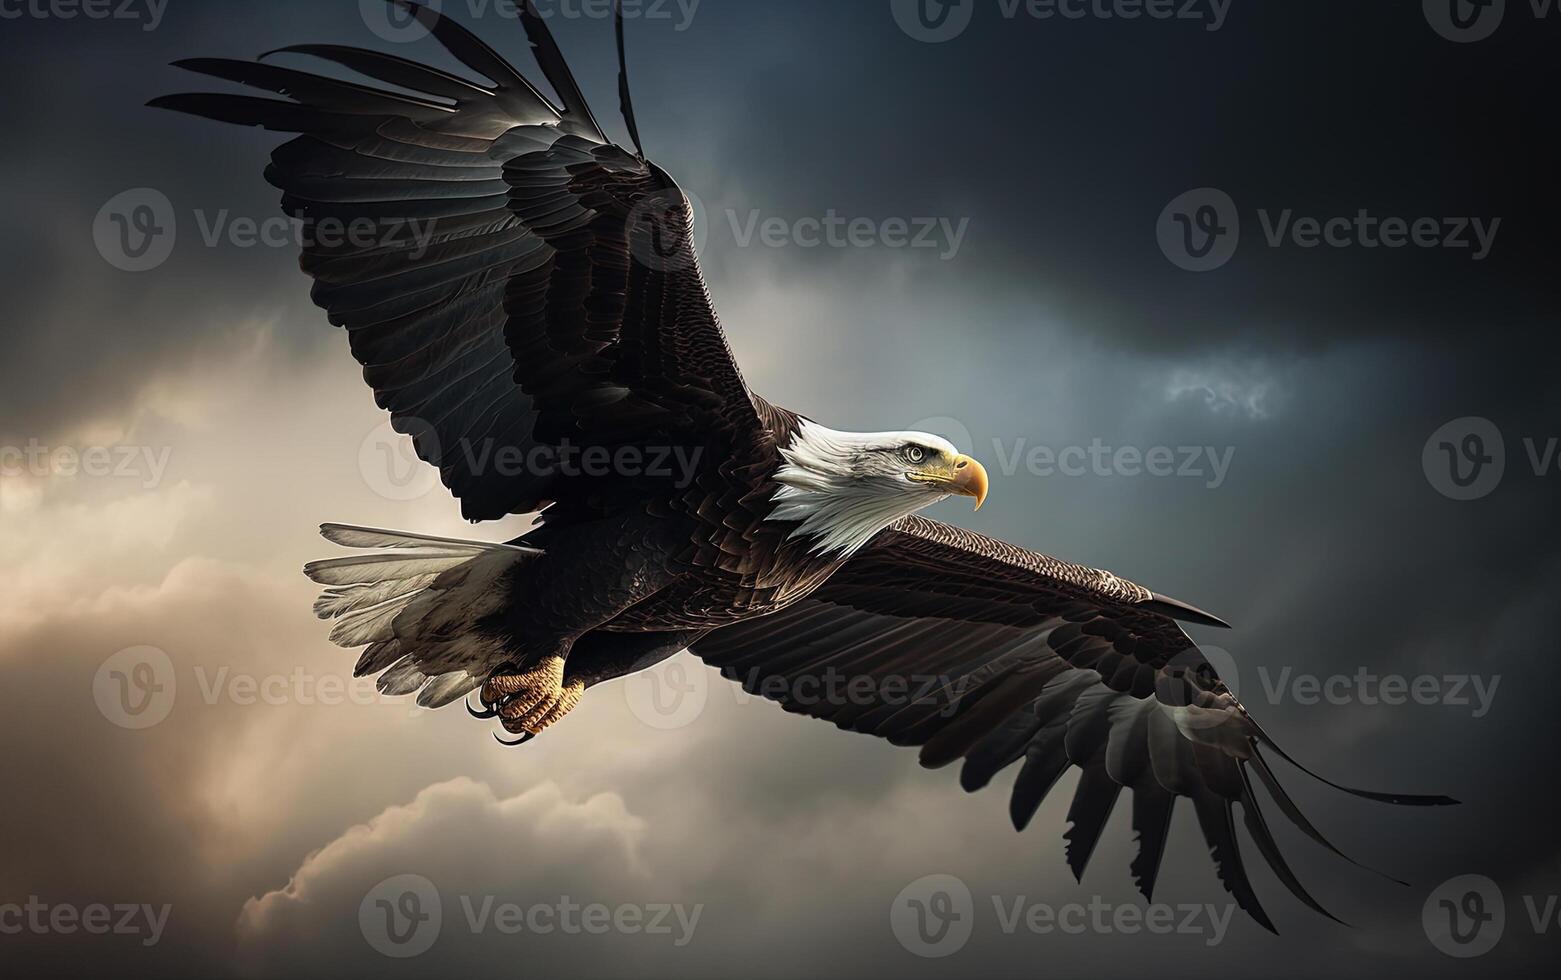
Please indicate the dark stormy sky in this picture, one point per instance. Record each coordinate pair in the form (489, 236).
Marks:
(170, 438)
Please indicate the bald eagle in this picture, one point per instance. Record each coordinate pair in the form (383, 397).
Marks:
(528, 298)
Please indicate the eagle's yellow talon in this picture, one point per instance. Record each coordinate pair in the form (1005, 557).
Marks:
(567, 699)
(537, 698)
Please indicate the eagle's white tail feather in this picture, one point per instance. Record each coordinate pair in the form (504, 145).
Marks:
(353, 536)
(344, 599)
(373, 569)
(365, 626)
(416, 611)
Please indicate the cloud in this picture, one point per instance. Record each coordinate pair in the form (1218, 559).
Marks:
(54, 557)
(537, 846)
(1245, 389)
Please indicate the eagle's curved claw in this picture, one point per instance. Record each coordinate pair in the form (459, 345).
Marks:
(532, 700)
(528, 736)
(488, 711)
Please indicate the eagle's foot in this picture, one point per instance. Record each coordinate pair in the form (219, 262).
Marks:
(531, 701)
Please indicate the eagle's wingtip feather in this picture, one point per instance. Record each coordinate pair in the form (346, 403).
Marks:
(1185, 612)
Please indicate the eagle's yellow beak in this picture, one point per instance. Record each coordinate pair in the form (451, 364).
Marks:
(969, 479)
(961, 475)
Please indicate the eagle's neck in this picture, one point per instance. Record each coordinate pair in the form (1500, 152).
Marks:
(821, 485)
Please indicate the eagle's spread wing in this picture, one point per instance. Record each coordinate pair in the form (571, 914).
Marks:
(509, 279)
(974, 649)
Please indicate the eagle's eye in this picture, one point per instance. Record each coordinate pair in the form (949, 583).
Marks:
(915, 454)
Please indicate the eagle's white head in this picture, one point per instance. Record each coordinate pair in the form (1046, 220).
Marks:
(845, 487)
